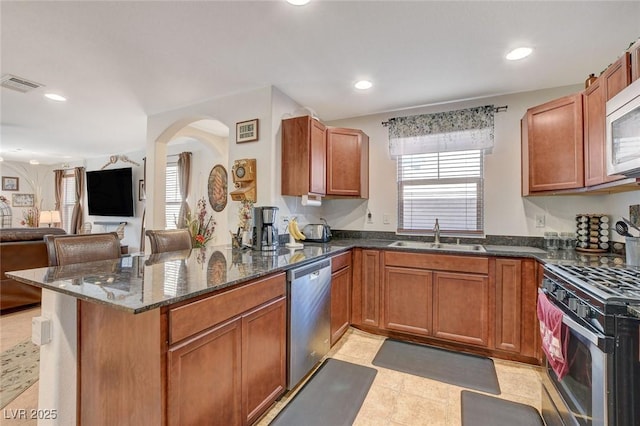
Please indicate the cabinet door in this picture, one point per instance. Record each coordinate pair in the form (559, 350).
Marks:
(461, 308)
(552, 146)
(340, 303)
(407, 295)
(635, 60)
(365, 303)
(204, 378)
(508, 304)
(264, 354)
(304, 153)
(617, 76)
(347, 166)
(318, 160)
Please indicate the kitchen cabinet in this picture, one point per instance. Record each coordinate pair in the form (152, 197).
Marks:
(244, 355)
(365, 305)
(516, 292)
(482, 304)
(323, 161)
(204, 378)
(340, 295)
(461, 304)
(552, 146)
(407, 300)
(304, 156)
(347, 162)
(634, 52)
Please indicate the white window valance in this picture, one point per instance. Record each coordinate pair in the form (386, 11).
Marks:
(460, 130)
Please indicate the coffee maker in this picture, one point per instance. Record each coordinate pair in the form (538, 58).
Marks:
(265, 228)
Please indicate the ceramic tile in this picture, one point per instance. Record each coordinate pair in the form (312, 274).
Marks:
(412, 410)
(379, 403)
(426, 388)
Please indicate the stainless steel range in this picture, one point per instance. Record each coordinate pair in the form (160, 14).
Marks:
(601, 309)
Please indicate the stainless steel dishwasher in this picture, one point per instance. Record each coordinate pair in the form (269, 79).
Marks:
(309, 318)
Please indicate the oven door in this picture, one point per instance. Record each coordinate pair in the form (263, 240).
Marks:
(583, 396)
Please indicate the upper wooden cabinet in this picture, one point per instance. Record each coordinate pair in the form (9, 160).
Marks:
(304, 156)
(635, 60)
(610, 83)
(552, 146)
(323, 161)
(347, 162)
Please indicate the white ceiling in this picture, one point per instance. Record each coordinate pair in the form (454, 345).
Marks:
(118, 62)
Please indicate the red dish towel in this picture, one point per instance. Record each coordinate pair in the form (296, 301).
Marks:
(554, 335)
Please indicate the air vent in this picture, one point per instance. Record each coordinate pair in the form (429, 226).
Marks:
(18, 83)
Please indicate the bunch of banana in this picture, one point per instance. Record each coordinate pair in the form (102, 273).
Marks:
(298, 257)
(294, 230)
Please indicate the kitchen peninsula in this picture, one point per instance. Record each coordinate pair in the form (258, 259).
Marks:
(164, 338)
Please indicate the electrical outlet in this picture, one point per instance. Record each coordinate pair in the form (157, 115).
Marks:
(540, 221)
(369, 217)
(386, 218)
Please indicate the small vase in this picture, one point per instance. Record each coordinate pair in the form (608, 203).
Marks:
(589, 81)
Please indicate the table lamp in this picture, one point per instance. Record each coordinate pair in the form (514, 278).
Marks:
(49, 217)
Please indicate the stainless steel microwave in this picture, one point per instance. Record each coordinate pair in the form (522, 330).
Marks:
(623, 132)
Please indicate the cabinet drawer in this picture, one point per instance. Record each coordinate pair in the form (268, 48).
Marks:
(442, 262)
(190, 319)
(340, 261)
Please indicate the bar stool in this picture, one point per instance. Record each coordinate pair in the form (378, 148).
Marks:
(166, 240)
(79, 248)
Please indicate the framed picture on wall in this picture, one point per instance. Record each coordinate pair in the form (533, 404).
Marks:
(10, 183)
(22, 200)
(247, 131)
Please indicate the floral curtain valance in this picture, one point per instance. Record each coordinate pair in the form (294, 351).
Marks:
(459, 130)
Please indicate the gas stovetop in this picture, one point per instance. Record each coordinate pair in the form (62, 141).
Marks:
(607, 284)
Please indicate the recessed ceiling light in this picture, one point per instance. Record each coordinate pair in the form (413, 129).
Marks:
(34, 162)
(298, 2)
(55, 97)
(519, 53)
(363, 85)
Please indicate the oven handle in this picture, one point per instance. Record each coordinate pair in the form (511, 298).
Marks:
(601, 341)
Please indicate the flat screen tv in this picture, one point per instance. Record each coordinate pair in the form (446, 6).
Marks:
(110, 192)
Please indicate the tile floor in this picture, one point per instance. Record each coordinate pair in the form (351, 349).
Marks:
(397, 398)
(15, 328)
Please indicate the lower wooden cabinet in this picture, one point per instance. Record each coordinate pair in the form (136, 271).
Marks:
(461, 305)
(341, 272)
(264, 355)
(407, 296)
(232, 372)
(205, 378)
(485, 304)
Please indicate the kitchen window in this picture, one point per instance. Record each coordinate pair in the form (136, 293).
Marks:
(440, 174)
(448, 186)
(172, 197)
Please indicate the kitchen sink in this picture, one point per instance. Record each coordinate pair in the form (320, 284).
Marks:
(439, 246)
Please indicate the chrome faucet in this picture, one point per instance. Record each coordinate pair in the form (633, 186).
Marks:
(436, 232)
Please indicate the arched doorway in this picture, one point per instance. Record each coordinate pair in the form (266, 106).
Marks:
(207, 140)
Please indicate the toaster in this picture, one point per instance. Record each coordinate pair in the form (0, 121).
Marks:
(317, 233)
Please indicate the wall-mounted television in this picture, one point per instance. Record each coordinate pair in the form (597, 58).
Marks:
(110, 192)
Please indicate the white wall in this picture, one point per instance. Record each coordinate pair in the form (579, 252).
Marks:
(33, 179)
(506, 212)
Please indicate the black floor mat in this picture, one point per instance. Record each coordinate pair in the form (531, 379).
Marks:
(332, 396)
(469, 371)
(485, 410)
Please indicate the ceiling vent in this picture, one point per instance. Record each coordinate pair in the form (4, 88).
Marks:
(18, 83)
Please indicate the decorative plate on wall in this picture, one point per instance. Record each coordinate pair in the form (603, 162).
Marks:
(217, 187)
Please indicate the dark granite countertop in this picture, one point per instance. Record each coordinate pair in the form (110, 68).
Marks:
(140, 283)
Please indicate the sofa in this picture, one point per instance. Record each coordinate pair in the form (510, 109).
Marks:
(21, 248)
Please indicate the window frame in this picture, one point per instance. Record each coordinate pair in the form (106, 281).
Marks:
(170, 222)
(428, 231)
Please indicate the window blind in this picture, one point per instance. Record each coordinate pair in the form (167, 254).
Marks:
(172, 197)
(68, 200)
(443, 185)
